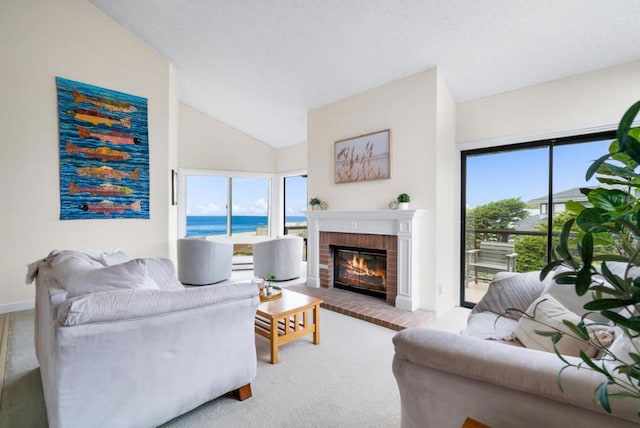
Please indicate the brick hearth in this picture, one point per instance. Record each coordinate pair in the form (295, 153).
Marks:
(367, 308)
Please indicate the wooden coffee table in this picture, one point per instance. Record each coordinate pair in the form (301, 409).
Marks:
(287, 319)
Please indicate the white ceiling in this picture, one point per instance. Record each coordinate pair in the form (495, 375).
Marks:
(260, 65)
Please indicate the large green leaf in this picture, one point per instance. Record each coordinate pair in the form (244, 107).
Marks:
(583, 280)
(595, 166)
(591, 219)
(609, 199)
(632, 227)
(607, 168)
(586, 250)
(578, 330)
(600, 304)
(603, 396)
(625, 125)
(548, 268)
(574, 207)
(612, 181)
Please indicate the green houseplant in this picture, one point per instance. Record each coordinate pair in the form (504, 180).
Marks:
(591, 242)
(315, 203)
(403, 201)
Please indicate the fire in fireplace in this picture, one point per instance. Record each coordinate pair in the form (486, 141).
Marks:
(360, 270)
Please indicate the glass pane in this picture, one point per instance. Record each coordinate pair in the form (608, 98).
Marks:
(570, 163)
(295, 202)
(250, 206)
(206, 199)
(504, 227)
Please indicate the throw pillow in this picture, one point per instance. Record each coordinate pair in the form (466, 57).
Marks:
(566, 294)
(129, 275)
(622, 346)
(489, 325)
(69, 263)
(510, 290)
(549, 314)
(163, 273)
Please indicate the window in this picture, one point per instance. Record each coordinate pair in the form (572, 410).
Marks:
(227, 205)
(509, 194)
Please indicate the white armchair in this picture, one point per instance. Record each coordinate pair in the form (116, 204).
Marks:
(281, 257)
(202, 262)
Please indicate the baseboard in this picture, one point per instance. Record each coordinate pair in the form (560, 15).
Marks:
(18, 306)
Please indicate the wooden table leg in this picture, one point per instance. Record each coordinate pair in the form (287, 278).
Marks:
(274, 340)
(316, 323)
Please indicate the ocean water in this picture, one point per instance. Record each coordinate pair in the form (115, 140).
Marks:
(217, 225)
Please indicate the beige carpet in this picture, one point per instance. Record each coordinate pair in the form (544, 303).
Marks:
(346, 381)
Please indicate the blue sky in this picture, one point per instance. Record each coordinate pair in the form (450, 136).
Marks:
(523, 173)
(207, 195)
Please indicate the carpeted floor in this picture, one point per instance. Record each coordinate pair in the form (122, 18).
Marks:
(346, 381)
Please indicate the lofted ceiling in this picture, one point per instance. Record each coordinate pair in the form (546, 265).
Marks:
(260, 65)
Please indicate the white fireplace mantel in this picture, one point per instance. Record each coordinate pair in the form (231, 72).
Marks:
(402, 223)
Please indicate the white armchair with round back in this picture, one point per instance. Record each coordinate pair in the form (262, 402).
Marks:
(203, 262)
(281, 257)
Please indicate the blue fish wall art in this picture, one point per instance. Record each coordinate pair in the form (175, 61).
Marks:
(104, 153)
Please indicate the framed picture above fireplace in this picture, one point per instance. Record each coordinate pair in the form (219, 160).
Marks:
(363, 158)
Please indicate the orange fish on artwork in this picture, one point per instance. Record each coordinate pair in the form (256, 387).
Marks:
(108, 173)
(109, 207)
(97, 118)
(103, 153)
(105, 189)
(110, 105)
(109, 137)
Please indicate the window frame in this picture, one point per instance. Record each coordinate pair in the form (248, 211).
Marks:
(229, 175)
(550, 143)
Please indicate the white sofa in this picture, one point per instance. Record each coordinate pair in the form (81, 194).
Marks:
(281, 257)
(445, 377)
(126, 345)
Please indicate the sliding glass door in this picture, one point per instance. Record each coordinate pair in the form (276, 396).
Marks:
(509, 195)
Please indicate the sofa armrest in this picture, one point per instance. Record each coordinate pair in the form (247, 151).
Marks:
(132, 304)
(521, 369)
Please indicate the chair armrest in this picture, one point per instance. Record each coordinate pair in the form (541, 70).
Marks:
(473, 251)
(512, 255)
(132, 304)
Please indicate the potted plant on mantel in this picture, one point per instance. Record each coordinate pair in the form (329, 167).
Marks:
(612, 221)
(315, 203)
(403, 201)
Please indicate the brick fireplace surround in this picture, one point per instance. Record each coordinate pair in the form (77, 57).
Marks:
(395, 231)
(389, 243)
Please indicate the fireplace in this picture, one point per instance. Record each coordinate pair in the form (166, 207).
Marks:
(361, 270)
(394, 231)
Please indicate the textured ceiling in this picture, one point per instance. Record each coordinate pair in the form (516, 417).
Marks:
(260, 65)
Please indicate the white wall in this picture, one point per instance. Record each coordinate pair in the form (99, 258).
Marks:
(446, 206)
(207, 143)
(578, 104)
(420, 112)
(40, 40)
(407, 107)
(292, 158)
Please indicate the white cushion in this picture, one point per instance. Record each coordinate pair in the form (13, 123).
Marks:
(130, 304)
(549, 314)
(488, 325)
(622, 346)
(129, 275)
(162, 271)
(567, 296)
(511, 290)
